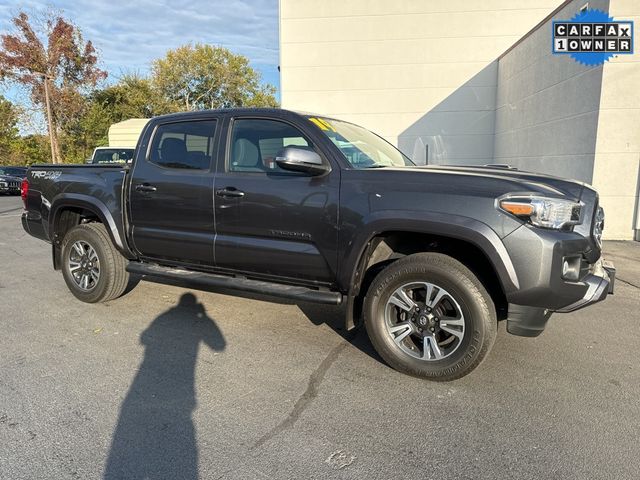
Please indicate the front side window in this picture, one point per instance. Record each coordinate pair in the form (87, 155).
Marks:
(361, 148)
(256, 142)
(184, 145)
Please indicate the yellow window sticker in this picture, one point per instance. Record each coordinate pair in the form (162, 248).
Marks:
(322, 124)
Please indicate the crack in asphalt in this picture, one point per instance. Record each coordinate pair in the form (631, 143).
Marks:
(10, 210)
(628, 283)
(303, 402)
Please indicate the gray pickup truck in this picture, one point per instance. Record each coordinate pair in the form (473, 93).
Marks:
(321, 210)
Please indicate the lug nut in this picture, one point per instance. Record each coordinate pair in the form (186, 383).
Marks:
(432, 329)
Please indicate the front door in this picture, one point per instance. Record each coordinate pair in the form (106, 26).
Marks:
(171, 193)
(271, 221)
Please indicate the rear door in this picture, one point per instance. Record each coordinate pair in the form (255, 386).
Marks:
(171, 193)
(270, 221)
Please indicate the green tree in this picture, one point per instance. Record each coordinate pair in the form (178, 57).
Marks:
(8, 130)
(30, 149)
(54, 63)
(131, 97)
(195, 77)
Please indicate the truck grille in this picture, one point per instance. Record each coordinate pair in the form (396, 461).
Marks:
(14, 184)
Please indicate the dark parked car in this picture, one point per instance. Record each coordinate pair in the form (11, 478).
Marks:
(19, 172)
(9, 183)
(321, 210)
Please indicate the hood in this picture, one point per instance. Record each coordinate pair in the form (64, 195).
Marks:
(9, 178)
(520, 180)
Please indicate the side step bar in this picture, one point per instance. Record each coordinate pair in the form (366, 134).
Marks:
(236, 283)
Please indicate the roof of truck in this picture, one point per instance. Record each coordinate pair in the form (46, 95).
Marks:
(244, 111)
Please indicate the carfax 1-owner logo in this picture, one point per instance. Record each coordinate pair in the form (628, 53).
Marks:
(592, 37)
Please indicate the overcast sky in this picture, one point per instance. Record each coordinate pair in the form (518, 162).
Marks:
(129, 34)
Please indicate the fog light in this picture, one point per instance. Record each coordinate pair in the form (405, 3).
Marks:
(571, 268)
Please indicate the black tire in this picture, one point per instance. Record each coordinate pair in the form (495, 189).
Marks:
(477, 332)
(113, 277)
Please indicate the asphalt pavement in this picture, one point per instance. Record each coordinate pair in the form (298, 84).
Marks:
(168, 382)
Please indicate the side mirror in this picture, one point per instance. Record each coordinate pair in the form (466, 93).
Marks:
(299, 159)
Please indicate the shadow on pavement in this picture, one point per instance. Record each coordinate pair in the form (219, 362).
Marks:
(155, 436)
(332, 316)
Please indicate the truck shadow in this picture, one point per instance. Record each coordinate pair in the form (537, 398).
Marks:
(332, 316)
(155, 435)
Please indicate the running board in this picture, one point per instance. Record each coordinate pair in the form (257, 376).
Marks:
(237, 283)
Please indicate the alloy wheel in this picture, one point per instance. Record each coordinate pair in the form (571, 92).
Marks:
(425, 321)
(84, 265)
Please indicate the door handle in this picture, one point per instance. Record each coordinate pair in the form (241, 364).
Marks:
(145, 187)
(230, 192)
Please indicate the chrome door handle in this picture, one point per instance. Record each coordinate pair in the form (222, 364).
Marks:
(230, 192)
(145, 187)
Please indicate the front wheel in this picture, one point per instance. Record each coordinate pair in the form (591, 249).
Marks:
(92, 268)
(429, 316)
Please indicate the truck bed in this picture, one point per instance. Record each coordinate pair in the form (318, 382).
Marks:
(48, 184)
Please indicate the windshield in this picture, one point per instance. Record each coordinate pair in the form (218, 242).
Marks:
(361, 148)
(113, 155)
(12, 171)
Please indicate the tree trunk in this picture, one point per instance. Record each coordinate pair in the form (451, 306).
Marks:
(53, 140)
(56, 146)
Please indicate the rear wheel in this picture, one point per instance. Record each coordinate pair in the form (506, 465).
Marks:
(429, 316)
(92, 268)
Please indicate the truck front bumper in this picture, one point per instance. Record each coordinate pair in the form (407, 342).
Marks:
(600, 283)
(538, 257)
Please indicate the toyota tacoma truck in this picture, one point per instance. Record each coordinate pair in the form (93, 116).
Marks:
(316, 209)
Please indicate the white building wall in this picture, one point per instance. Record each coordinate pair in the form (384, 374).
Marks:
(127, 132)
(420, 73)
(547, 105)
(616, 173)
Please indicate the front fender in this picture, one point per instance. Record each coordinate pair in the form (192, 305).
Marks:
(446, 225)
(94, 205)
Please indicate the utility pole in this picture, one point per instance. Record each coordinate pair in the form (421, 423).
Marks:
(48, 105)
(45, 80)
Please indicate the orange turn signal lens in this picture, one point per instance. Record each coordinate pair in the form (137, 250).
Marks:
(517, 208)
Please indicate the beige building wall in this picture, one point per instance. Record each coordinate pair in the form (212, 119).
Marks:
(616, 173)
(127, 132)
(386, 64)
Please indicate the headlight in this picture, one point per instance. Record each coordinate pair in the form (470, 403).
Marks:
(598, 226)
(544, 212)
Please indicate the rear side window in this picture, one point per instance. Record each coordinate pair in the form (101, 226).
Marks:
(183, 145)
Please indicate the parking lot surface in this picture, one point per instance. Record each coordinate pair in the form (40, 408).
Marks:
(168, 382)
